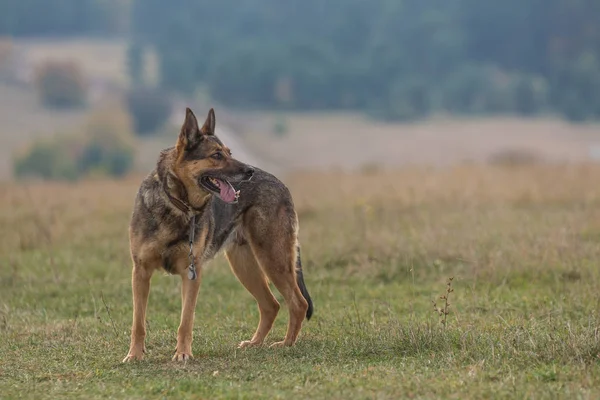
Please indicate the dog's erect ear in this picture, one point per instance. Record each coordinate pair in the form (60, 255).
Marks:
(190, 135)
(209, 126)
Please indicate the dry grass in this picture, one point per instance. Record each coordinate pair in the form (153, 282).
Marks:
(522, 244)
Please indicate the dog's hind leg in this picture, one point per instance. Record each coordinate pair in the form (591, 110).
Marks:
(285, 281)
(140, 284)
(274, 245)
(189, 295)
(246, 268)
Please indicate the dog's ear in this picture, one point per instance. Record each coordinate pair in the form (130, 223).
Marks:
(209, 125)
(190, 134)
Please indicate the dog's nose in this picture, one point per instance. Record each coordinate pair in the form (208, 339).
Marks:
(249, 172)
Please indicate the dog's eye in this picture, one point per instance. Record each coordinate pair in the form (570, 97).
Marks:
(217, 156)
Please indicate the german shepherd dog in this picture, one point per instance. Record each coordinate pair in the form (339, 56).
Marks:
(198, 201)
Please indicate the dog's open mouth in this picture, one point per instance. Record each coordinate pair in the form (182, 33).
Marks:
(221, 188)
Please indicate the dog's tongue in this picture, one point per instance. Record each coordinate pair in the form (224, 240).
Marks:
(227, 193)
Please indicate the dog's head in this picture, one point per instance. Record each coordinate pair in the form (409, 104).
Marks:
(204, 164)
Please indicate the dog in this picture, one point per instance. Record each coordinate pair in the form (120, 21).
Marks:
(199, 201)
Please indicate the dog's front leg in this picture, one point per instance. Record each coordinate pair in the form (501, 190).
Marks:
(140, 284)
(189, 295)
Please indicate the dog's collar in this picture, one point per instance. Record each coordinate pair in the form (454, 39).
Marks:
(182, 206)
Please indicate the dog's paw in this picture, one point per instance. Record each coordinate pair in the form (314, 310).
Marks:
(132, 356)
(277, 345)
(182, 356)
(248, 343)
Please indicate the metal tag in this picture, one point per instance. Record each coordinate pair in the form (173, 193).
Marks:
(191, 273)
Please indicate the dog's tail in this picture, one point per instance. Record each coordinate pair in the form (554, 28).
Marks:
(302, 285)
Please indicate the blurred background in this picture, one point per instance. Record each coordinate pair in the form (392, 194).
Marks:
(422, 140)
(98, 87)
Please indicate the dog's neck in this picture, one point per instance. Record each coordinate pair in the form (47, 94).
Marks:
(175, 191)
(177, 196)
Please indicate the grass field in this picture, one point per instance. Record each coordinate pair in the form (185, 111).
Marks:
(522, 245)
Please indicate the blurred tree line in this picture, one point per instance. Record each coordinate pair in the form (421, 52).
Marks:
(34, 18)
(398, 59)
(395, 59)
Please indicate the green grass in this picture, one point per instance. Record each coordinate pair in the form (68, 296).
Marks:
(523, 320)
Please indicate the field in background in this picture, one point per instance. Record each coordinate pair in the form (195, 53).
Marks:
(522, 245)
(105, 61)
(23, 118)
(316, 141)
(309, 141)
(349, 141)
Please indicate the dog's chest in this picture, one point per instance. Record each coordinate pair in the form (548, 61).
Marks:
(177, 257)
(213, 231)
(177, 253)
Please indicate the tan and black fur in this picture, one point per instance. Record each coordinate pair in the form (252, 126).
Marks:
(258, 234)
